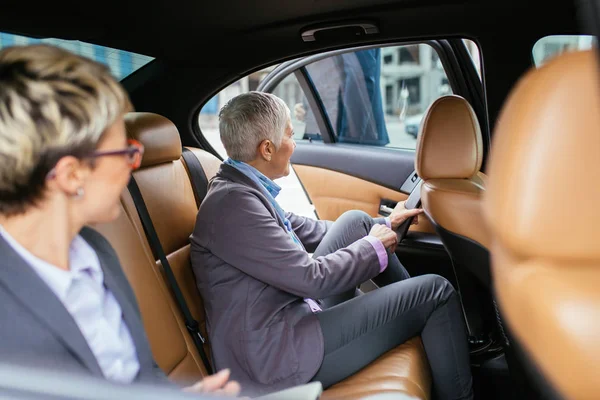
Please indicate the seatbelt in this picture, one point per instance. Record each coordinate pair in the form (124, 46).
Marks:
(197, 174)
(191, 324)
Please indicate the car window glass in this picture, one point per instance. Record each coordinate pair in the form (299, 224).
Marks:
(290, 91)
(292, 196)
(208, 118)
(121, 63)
(377, 96)
(551, 46)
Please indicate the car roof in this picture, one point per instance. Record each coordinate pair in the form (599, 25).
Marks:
(201, 46)
(209, 32)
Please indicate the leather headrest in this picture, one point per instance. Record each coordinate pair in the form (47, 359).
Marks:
(449, 144)
(543, 197)
(158, 134)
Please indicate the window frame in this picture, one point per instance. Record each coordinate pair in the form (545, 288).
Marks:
(298, 66)
(445, 48)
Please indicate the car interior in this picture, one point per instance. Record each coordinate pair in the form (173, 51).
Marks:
(504, 163)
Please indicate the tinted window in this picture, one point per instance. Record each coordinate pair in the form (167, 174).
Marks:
(376, 96)
(551, 46)
(121, 63)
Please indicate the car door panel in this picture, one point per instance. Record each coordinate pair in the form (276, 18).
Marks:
(383, 166)
(333, 193)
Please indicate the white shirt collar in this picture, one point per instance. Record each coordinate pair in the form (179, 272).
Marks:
(82, 260)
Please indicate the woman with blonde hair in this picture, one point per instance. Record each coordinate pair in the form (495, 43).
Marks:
(64, 161)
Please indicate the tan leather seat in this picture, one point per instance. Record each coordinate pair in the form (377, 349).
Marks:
(448, 159)
(542, 207)
(167, 191)
(172, 346)
(403, 370)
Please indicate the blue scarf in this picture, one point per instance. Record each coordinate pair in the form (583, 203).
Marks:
(270, 190)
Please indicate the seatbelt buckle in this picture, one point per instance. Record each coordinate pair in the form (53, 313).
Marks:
(194, 327)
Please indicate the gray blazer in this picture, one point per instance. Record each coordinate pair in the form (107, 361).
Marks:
(253, 279)
(38, 331)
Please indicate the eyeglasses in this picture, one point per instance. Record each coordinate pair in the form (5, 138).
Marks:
(133, 152)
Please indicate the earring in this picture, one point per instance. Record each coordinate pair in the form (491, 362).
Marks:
(269, 159)
(79, 192)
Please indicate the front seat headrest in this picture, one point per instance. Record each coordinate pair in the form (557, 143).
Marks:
(158, 134)
(542, 207)
(449, 143)
(544, 191)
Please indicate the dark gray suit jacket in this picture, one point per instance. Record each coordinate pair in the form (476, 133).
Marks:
(37, 330)
(253, 277)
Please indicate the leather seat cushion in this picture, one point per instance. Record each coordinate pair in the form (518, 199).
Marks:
(455, 205)
(402, 370)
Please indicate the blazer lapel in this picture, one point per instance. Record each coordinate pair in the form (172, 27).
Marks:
(25, 285)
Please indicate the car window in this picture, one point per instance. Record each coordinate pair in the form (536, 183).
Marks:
(121, 63)
(376, 96)
(208, 118)
(290, 91)
(293, 197)
(551, 46)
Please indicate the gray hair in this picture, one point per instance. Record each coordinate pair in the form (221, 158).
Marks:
(248, 119)
(52, 104)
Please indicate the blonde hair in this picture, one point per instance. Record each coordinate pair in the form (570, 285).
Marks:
(52, 104)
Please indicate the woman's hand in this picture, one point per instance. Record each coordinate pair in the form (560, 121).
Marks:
(217, 384)
(401, 214)
(387, 236)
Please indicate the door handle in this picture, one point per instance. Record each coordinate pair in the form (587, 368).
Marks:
(386, 207)
(383, 210)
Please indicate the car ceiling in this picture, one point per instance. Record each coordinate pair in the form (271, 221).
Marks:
(194, 31)
(201, 46)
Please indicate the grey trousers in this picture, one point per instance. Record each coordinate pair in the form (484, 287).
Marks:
(359, 330)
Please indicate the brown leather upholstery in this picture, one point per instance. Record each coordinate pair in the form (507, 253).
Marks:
(173, 348)
(542, 208)
(168, 195)
(402, 370)
(162, 143)
(448, 159)
(455, 205)
(333, 193)
(210, 165)
(449, 142)
(170, 199)
(171, 344)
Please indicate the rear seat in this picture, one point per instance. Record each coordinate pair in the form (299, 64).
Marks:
(167, 190)
(172, 346)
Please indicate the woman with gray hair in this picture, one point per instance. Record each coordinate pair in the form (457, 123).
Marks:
(64, 161)
(278, 317)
